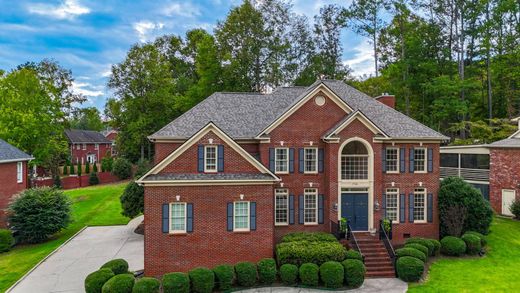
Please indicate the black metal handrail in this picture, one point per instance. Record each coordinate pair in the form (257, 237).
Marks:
(352, 235)
(386, 241)
(334, 229)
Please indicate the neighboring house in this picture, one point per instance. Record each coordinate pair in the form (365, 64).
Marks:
(87, 146)
(14, 173)
(240, 170)
(493, 168)
(112, 136)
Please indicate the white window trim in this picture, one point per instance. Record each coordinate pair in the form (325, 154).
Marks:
(425, 170)
(314, 192)
(398, 206)
(235, 229)
(206, 170)
(84, 146)
(96, 146)
(78, 146)
(19, 172)
(305, 161)
(398, 160)
(425, 207)
(275, 161)
(185, 218)
(286, 193)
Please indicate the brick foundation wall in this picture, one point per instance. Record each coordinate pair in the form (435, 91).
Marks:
(72, 182)
(504, 174)
(9, 187)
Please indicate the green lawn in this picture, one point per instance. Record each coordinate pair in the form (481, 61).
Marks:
(92, 206)
(498, 271)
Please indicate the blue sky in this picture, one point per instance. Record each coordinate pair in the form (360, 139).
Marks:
(89, 36)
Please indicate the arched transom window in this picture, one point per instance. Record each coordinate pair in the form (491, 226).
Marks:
(354, 161)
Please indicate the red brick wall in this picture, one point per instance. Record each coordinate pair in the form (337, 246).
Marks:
(10, 187)
(76, 154)
(504, 174)
(163, 149)
(210, 244)
(387, 100)
(72, 182)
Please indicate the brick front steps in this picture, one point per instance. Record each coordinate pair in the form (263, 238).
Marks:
(377, 261)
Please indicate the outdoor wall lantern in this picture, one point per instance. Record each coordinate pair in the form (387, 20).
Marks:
(376, 206)
(335, 207)
(178, 197)
(241, 197)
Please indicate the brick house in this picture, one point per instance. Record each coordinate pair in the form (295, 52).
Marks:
(14, 173)
(87, 146)
(240, 170)
(112, 136)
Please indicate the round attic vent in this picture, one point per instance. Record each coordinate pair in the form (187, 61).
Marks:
(319, 100)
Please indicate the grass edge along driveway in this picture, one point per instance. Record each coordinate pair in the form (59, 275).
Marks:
(91, 206)
(497, 271)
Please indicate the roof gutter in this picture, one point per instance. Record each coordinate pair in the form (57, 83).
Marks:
(16, 160)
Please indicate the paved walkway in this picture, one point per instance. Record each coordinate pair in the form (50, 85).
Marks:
(390, 285)
(66, 269)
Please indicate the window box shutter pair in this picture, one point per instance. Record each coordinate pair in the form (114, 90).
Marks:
(321, 160)
(272, 154)
(402, 160)
(301, 209)
(252, 216)
(429, 208)
(429, 160)
(166, 218)
(220, 158)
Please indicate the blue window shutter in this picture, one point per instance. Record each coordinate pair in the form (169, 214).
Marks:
(321, 157)
(291, 160)
(410, 208)
(220, 158)
(321, 200)
(430, 160)
(300, 209)
(189, 217)
(402, 208)
(291, 209)
(271, 160)
(166, 218)
(300, 160)
(252, 216)
(412, 164)
(230, 216)
(430, 208)
(384, 205)
(383, 159)
(201, 159)
(402, 160)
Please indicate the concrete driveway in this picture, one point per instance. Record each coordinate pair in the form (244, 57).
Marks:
(65, 270)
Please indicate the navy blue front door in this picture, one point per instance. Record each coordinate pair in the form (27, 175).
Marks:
(354, 207)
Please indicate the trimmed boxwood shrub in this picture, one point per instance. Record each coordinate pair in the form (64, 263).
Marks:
(267, 270)
(176, 283)
(409, 269)
(224, 276)
(300, 252)
(331, 274)
(309, 274)
(436, 246)
(424, 242)
(289, 274)
(6, 240)
(453, 246)
(95, 281)
(483, 239)
(419, 247)
(202, 280)
(309, 236)
(473, 245)
(118, 266)
(123, 283)
(354, 254)
(146, 285)
(246, 274)
(410, 251)
(354, 272)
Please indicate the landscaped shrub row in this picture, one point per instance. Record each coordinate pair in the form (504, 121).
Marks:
(300, 252)
(309, 236)
(411, 258)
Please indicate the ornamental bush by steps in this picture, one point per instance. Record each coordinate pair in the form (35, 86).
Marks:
(424, 242)
(419, 247)
(453, 246)
(409, 269)
(410, 251)
(299, 252)
(332, 274)
(354, 254)
(354, 272)
(309, 236)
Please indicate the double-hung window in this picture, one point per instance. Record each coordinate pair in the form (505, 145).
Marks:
(210, 158)
(96, 146)
(84, 146)
(310, 206)
(419, 205)
(419, 158)
(392, 204)
(281, 160)
(78, 146)
(178, 217)
(310, 160)
(19, 172)
(392, 160)
(241, 216)
(281, 207)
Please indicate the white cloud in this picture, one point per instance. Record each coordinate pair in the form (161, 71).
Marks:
(87, 89)
(184, 9)
(69, 9)
(145, 29)
(362, 61)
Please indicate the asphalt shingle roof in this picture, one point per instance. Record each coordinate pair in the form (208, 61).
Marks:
(507, 143)
(245, 115)
(203, 176)
(10, 153)
(85, 136)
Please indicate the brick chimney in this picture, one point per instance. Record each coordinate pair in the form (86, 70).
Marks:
(387, 99)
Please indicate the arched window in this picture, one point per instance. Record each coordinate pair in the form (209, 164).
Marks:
(354, 161)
